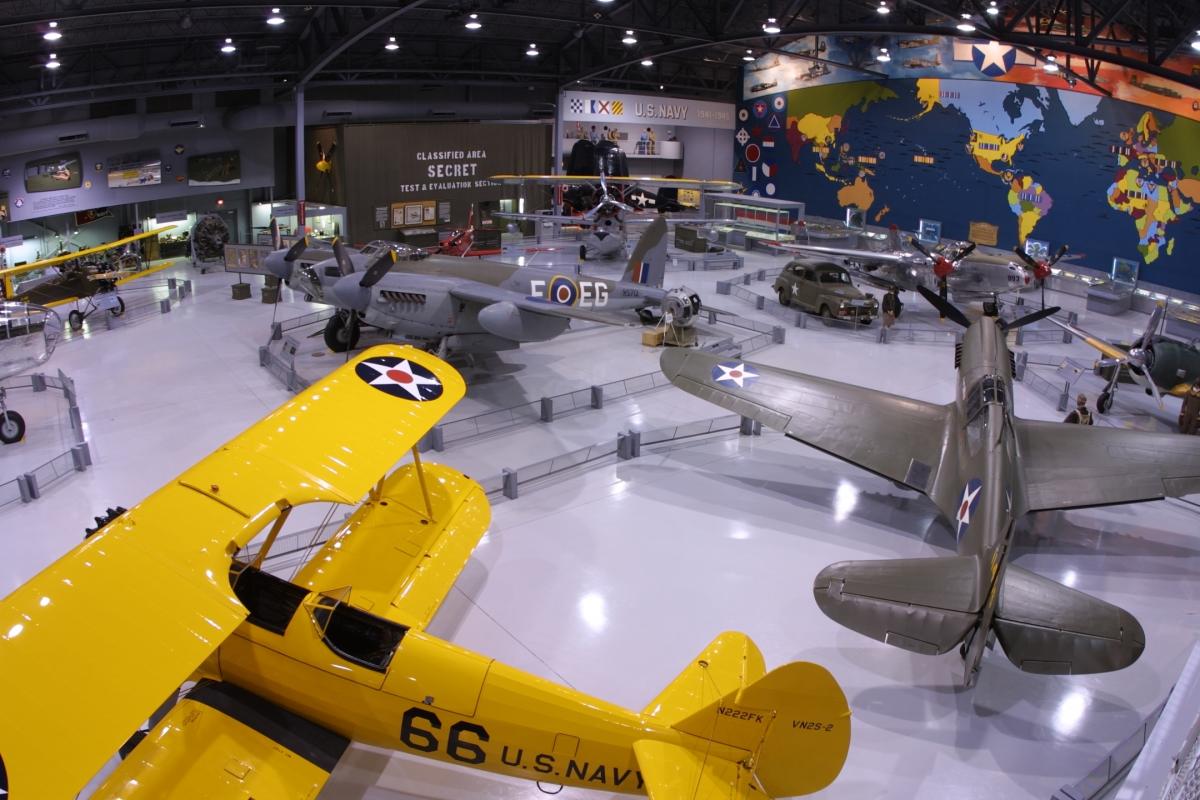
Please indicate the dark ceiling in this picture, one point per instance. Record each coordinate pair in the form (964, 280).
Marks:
(115, 49)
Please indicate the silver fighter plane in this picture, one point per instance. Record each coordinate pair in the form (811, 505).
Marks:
(984, 468)
(460, 305)
(969, 275)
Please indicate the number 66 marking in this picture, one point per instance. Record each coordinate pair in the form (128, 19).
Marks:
(424, 740)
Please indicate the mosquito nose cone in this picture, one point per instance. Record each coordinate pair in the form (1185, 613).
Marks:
(278, 266)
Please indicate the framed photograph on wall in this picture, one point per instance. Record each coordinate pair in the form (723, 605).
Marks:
(51, 174)
(414, 213)
(428, 213)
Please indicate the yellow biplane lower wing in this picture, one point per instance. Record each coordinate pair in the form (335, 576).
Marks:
(223, 743)
(93, 644)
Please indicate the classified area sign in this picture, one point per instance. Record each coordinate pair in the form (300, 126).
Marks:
(645, 109)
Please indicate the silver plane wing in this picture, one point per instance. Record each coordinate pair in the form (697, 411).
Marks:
(896, 437)
(1073, 466)
(865, 256)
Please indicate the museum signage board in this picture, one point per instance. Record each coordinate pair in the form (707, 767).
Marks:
(614, 107)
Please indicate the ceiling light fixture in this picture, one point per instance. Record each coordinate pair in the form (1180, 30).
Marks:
(275, 18)
(647, 62)
(661, 87)
(1196, 41)
(53, 63)
(1051, 64)
(532, 51)
(748, 57)
(883, 8)
(966, 26)
(629, 38)
(993, 9)
(52, 35)
(228, 47)
(473, 23)
(883, 55)
(771, 26)
(391, 44)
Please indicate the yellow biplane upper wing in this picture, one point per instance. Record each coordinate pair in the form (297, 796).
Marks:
(56, 260)
(94, 643)
(224, 743)
(650, 180)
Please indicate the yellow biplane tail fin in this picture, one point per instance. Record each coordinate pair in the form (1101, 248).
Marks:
(785, 732)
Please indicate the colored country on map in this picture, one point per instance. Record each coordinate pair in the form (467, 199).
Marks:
(825, 108)
(859, 193)
(1030, 202)
(989, 148)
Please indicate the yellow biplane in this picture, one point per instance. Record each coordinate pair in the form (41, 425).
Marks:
(288, 673)
(91, 275)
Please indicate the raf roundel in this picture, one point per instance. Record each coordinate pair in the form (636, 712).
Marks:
(399, 377)
(562, 290)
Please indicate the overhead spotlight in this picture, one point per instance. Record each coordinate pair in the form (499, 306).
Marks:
(391, 44)
(605, 2)
(883, 8)
(473, 23)
(966, 26)
(771, 26)
(992, 9)
(532, 51)
(883, 55)
(228, 47)
(661, 87)
(647, 62)
(276, 18)
(1051, 64)
(748, 57)
(629, 38)
(54, 34)
(53, 63)
(1196, 41)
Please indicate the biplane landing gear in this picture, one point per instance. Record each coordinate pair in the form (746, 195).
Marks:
(1104, 402)
(114, 305)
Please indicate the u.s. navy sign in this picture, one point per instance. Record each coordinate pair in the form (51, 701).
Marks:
(635, 108)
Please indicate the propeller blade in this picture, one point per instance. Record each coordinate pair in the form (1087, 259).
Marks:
(378, 267)
(1028, 318)
(920, 248)
(1142, 376)
(966, 251)
(945, 307)
(296, 250)
(345, 264)
(1152, 326)
(1062, 251)
(276, 237)
(1029, 262)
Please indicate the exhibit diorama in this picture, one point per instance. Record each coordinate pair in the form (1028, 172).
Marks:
(507, 398)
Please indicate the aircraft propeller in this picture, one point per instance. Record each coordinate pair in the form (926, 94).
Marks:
(1028, 318)
(1141, 358)
(942, 266)
(1041, 269)
(377, 268)
(345, 265)
(948, 309)
(276, 236)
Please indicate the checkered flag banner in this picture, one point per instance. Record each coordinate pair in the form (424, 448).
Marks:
(576, 105)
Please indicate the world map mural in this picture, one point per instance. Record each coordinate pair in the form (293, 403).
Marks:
(1106, 177)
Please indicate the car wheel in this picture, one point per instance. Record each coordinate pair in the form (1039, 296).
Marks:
(12, 427)
(826, 315)
(785, 295)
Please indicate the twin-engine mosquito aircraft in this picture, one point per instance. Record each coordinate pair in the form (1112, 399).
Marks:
(984, 468)
(968, 275)
(608, 216)
(469, 306)
(289, 672)
(1157, 364)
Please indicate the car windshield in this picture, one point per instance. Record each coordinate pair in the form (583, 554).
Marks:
(833, 277)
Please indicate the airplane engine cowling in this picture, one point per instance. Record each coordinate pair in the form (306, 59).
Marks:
(505, 320)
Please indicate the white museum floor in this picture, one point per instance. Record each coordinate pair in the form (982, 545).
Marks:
(612, 577)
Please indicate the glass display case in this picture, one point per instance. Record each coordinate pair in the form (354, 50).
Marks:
(744, 219)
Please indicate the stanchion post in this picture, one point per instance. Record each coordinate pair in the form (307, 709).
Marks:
(597, 397)
(510, 483)
(547, 414)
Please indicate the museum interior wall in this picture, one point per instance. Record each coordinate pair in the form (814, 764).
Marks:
(988, 155)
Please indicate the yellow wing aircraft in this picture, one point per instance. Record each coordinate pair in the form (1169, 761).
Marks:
(288, 673)
(70, 286)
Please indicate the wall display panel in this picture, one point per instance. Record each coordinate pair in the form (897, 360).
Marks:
(134, 169)
(215, 169)
(1109, 178)
(56, 172)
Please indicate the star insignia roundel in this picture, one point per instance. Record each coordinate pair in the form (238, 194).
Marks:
(734, 372)
(399, 377)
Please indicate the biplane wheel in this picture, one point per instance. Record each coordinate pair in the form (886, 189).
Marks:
(119, 310)
(339, 336)
(75, 320)
(1104, 402)
(12, 427)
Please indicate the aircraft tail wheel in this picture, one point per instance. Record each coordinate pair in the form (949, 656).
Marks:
(120, 309)
(12, 427)
(1104, 402)
(75, 320)
(339, 335)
